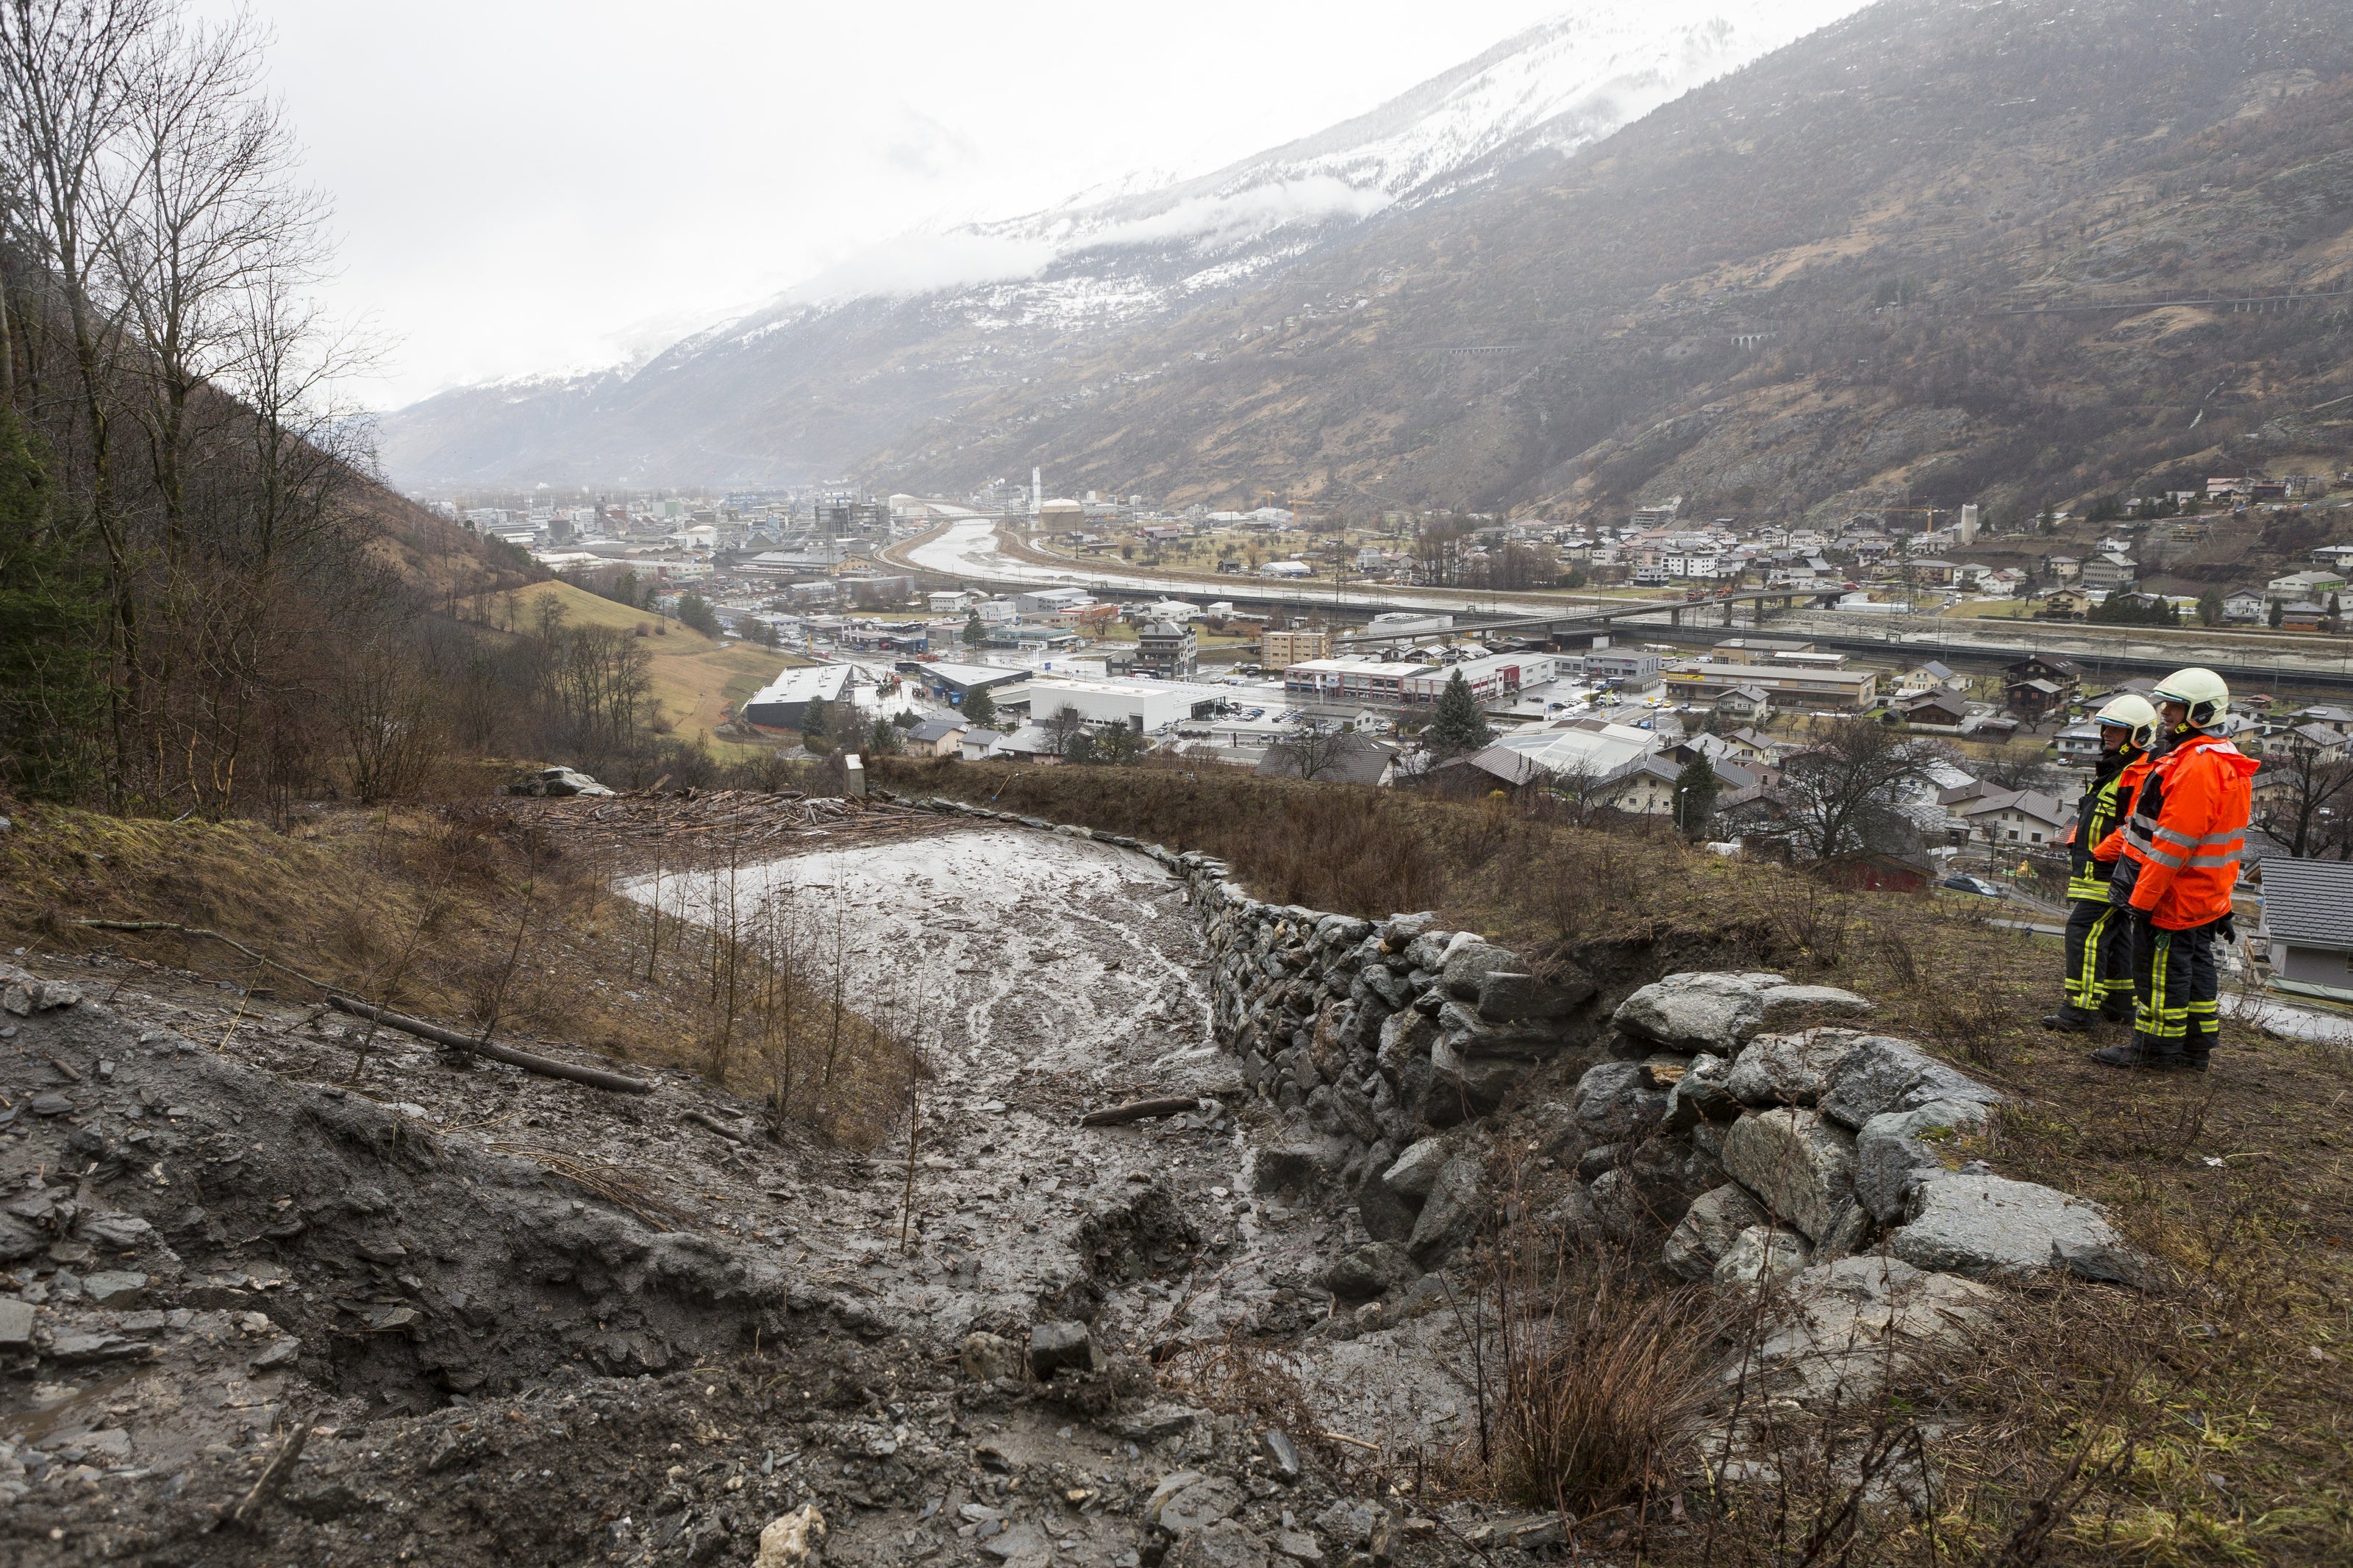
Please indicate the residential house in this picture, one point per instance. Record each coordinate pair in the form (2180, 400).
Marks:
(2059, 678)
(1169, 649)
(1030, 744)
(1745, 745)
(2244, 606)
(1747, 704)
(1935, 672)
(2063, 605)
(979, 745)
(1358, 760)
(2020, 818)
(2306, 616)
(1940, 709)
(2032, 699)
(1935, 574)
(2078, 743)
(1281, 650)
(1646, 786)
(936, 738)
(2308, 916)
(2064, 568)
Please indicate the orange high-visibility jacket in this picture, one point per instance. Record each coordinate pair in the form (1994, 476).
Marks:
(2188, 829)
(2128, 784)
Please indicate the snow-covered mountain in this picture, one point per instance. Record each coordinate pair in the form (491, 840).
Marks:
(846, 360)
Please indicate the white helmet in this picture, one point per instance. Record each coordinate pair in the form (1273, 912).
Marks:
(2132, 713)
(2200, 690)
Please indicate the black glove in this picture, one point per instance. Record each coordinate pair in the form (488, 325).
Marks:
(2228, 927)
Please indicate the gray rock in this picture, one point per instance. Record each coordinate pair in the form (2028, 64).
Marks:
(1648, 1190)
(1843, 1325)
(282, 1351)
(1282, 1453)
(17, 1240)
(1882, 1074)
(1463, 1085)
(1349, 1521)
(1795, 1006)
(1697, 1012)
(1898, 1150)
(1702, 1093)
(1223, 1544)
(986, 1357)
(1452, 1214)
(1708, 1229)
(1405, 1037)
(1021, 1545)
(114, 1287)
(1054, 1346)
(1507, 997)
(1852, 1234)
(1372, 1270)
(1427, 950)
(1761, 1256)
(1297, 1545)
(1788, 1070)
(1293, 1168)
(120, 1232)
(1201, 1502)
(1416, 1171)
(1617, 1103)
(24, 994)
(1386, 1215)
(1796, 1164)
(1400, 929)
(1989, 1226)
(1470, 962)
(16, 1322)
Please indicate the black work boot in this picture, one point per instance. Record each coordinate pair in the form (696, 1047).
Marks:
(2069, 1020)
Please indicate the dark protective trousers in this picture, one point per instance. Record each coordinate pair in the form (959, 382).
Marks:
(2178, 982)
(2099, 955)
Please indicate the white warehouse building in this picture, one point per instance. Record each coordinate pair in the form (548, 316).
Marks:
(1141, 705)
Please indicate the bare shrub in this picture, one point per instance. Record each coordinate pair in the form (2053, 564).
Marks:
(1600, 1377)
(1809, 917)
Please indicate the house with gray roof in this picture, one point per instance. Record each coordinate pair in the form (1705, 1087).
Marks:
(2309, 918)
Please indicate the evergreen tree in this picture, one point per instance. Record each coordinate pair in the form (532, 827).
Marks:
(52, 689)
(694, 610)
(2278, 614)
(814, 718)
(973, 631)
(979, 708)
(1457, 726)
(1695, 789)
(2210, 607)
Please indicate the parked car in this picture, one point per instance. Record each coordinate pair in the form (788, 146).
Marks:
(1972, 884)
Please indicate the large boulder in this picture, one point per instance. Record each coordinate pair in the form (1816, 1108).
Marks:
(1292, 1169)
(1416, 1171)
(1788, 1070)
(1759, 1256)
(1797, 1165)
(1617, 1103)
(1898, 1150)
(1450, 1215)
(1697, 1012)
(1721, 1012)
(1708, 1229)
(1371, 1270)
(1881, 1074)
(1989, 1226)
(1639, 1195)
(1702, 1093)
(1843, 1326)
(1406, 1039)
(1465, 1082)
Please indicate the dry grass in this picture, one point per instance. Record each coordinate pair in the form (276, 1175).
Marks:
(420, 909)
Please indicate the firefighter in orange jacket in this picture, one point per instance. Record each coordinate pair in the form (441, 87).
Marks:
(2184, 838)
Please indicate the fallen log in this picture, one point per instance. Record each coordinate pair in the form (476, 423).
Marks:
(1138, 1110)
(596, 1077)
(702, 1120)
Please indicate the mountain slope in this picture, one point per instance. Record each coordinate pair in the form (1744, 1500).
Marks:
(925, 324)
(1798, 287)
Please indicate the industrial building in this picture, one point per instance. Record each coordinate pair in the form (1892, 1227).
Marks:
(1787, 685)
(1145, 706)
(1494, 679)
(951, 683)
(783, 703)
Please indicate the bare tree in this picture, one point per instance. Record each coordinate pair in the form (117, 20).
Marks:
(2305, 795)
(1068, 726)
(1844, 791)
(1313, 751)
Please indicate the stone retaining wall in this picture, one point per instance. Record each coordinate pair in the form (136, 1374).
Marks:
(1742, 1125)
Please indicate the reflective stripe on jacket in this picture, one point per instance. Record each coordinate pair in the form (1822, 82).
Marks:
(2188, 829)
(2095, 817)
(2129, 783)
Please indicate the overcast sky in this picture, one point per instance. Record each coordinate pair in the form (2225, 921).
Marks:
(524, 185)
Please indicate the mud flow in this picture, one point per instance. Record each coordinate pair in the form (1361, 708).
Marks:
(515, 1320)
